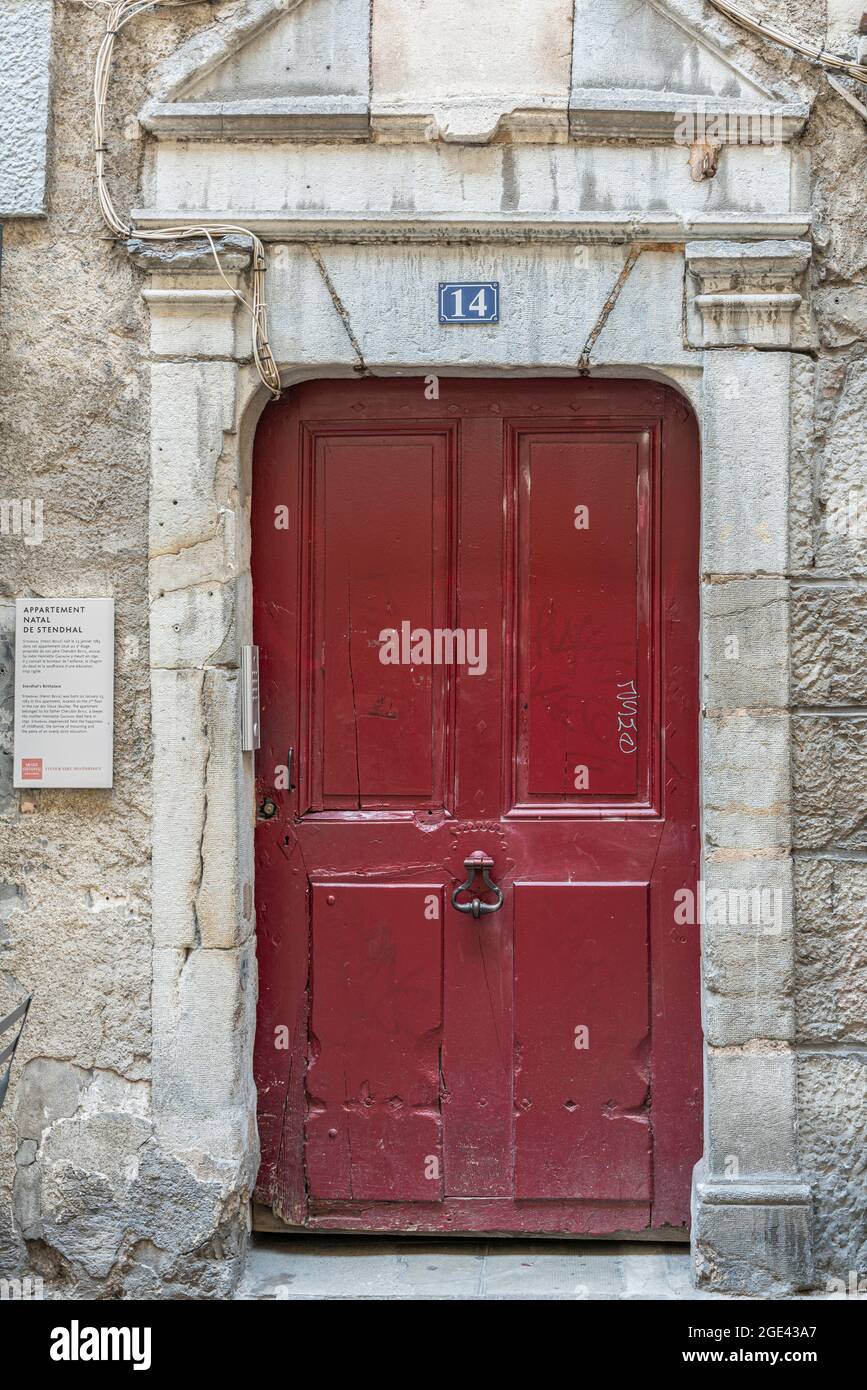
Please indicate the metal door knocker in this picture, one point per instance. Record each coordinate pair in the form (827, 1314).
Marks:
(479, 862)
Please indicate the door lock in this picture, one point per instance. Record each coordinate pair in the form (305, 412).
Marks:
(478, 863)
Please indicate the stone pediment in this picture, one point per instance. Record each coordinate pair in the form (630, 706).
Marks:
(641, 66)
(401, 71)
(287, 68)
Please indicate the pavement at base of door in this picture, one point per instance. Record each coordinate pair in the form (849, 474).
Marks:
(367, 1267)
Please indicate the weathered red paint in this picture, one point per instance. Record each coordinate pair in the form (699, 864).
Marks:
(435, 1074)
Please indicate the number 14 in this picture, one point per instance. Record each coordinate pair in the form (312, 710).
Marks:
(477, 306)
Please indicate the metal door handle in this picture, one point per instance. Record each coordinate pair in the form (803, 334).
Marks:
(478, 863)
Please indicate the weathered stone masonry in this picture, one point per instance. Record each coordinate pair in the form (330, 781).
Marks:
(128, 1149)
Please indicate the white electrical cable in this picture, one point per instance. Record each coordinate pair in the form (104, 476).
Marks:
(120, 14)
(808, 50)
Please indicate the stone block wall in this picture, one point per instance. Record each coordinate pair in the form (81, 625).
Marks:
(829, 706)
(98, 1193)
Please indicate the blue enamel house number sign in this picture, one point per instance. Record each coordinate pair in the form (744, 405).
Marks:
(467, 301)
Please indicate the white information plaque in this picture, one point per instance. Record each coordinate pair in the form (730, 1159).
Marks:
(64, 692)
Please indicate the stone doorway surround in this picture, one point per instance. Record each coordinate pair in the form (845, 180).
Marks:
(610, 257)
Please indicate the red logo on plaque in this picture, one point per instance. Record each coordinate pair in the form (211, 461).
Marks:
(31, 769)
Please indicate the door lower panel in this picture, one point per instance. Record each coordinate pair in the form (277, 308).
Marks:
(374, 1124)
(582, 1082)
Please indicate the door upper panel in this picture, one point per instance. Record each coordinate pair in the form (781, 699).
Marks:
(585, 509)
(377, 529)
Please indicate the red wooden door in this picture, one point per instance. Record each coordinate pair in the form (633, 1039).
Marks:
(478, 628)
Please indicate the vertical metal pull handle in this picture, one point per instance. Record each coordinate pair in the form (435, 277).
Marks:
(478, 863)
